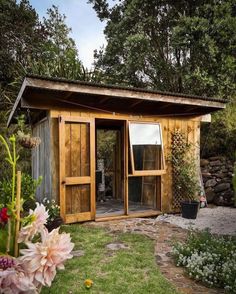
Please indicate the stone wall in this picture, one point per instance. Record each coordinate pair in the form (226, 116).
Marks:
(217, 175)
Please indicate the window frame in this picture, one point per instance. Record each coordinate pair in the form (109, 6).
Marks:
(135, 172)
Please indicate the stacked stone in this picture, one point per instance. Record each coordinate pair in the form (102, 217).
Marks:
(217, 173)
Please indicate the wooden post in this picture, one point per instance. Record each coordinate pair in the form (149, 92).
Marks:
(17, 228)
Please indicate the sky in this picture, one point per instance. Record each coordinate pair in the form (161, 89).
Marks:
(87, 29)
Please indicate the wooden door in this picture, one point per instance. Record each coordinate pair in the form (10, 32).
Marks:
(77, 168)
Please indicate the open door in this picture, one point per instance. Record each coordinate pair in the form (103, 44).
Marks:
(77, 168)
(110, 155)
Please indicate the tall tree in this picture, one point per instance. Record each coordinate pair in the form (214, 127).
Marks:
(59, 56)
(29, 45)
(21, 36)
(181, 46)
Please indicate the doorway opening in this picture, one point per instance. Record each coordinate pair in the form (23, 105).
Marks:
(109, 167)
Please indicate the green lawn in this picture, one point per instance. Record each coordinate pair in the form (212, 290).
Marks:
(132, 270)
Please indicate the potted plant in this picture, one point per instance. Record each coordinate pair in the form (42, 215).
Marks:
(185, 175)
(25, 139)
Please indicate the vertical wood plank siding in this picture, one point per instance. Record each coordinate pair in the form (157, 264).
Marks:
(41, 159)
(191, 127)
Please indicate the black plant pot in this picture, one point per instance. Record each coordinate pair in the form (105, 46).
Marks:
(190, 209)
(53, 224)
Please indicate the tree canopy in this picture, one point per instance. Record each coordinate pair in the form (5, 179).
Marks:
(184, 46)
(29, 45)
(181, 46)
(21, 37)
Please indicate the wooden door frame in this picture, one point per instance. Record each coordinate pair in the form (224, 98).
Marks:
(63, 180)
(124, 150)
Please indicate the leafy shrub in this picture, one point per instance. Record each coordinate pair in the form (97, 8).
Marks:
(52, 207)
(28, 189)
(184, 168)
(209, 259)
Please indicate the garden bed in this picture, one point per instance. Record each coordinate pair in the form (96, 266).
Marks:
(209, 259)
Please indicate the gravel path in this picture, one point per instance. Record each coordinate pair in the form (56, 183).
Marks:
(220, 220)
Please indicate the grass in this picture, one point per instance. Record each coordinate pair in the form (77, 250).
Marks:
(130, 271)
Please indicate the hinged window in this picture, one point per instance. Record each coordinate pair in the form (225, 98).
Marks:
(146, 148)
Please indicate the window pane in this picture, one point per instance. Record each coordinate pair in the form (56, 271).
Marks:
(145, 134)
(144, 193)
(146, 144)
(147, 157)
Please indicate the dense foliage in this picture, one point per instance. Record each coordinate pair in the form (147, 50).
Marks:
(28, 189)
(170, 45)
(30, 45)
(33, 46)
(181, 46)
(209, 259)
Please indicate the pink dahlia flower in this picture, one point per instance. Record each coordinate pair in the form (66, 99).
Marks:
(14, 281)
(39, 218)
(41, 260)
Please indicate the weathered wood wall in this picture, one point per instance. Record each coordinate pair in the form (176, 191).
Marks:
(189, 126)
(41, 159)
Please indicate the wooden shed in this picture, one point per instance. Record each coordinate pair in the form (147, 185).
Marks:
(104, 148)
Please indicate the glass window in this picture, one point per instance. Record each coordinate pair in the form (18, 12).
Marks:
(144, 193)
(146, 146)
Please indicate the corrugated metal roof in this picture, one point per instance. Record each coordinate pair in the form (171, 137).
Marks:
(127, 88)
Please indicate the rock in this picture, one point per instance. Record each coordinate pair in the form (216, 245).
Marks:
(213, 158)
(218, 200)
(206, 174)
(220, 175)
(204, 162)
(217, 180)
(117, 246)
(210, 195)
(210, 183)
(215, 163)
(78, 253)
(158, 258)
(222, 187)
(215, 168)
(226, 180)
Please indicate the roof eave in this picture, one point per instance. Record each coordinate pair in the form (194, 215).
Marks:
(116, 92)
(15, 106)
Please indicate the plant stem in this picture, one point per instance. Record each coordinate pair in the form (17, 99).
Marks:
(7, 148)
(17, 225)
(8, 247)
(13, 172)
